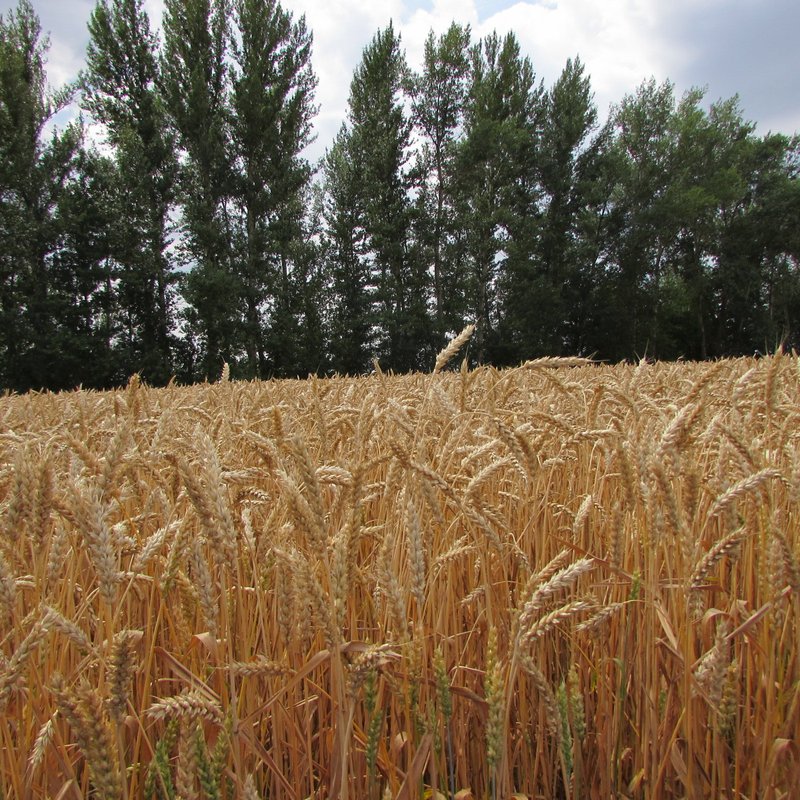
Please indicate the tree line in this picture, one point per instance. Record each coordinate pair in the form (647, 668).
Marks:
(197, 232)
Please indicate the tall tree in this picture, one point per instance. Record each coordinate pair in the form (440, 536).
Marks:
(380, 136)
(34, 172)
(566, 154)
(545, 293)
(497, 178)
(120, 91)
(439, 95)
(589, 303)
(645, 142)
(702, 242)
(311, 291)
(704, 180)
(272, 108)
(351, 318)
(757, 277)
(82, 276)
(195, 87)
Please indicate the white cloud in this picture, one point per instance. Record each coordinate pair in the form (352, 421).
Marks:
(617, 40)
(342, 29)
(438, 18)
(63, 62)
(155, 10)
(733, 46)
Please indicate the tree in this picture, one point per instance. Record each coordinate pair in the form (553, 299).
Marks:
(644, 212)
(497, 180)
(703, 181)
(379, 143)
(547, 286)
(120, 86)
(309, 302)
(439, 95)
(566, 153)
(33, 176)
(196, 94)
(589, 301)
(703, 259)
(272, 107)
(83, 301)
(756, 280)
(351, 319)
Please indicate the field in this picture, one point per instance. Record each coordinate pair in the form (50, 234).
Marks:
(565, 580)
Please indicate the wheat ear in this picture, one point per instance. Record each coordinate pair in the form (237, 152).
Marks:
(452, 348)
(189, 704)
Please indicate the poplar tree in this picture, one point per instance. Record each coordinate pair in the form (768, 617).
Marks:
(498, 187)
(195, 86)
(34, 173)
(351, 320)
(272, 107)
(644, 142)
(120, 90)
(439, 95)
(310, 291)
(379, 144)
(756, 282)
(705, 184)
(84, 302)
(566, 154)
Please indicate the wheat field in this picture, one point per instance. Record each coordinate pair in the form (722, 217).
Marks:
(565, 580)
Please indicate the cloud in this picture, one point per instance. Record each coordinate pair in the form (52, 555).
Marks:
(65, 26)
(616, 40)
(744, 46)
(341, 30)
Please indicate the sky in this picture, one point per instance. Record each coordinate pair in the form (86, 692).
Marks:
(744, 47)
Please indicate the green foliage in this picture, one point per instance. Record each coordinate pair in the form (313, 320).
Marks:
(438, 96)
(350, 317)
(545, 291)
(84, 302)
(34, 175)
(158, 784)
(271, 110)
(463, 193)
(497, 185)
(379, 144)
(120, 89)
(195, 87)
(695, 203)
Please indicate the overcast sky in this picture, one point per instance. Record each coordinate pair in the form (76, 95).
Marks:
(730, 46)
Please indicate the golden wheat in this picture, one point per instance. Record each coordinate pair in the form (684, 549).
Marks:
(563, 580)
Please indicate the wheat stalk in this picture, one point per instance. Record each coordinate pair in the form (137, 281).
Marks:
(121, 670)
(82, 707)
